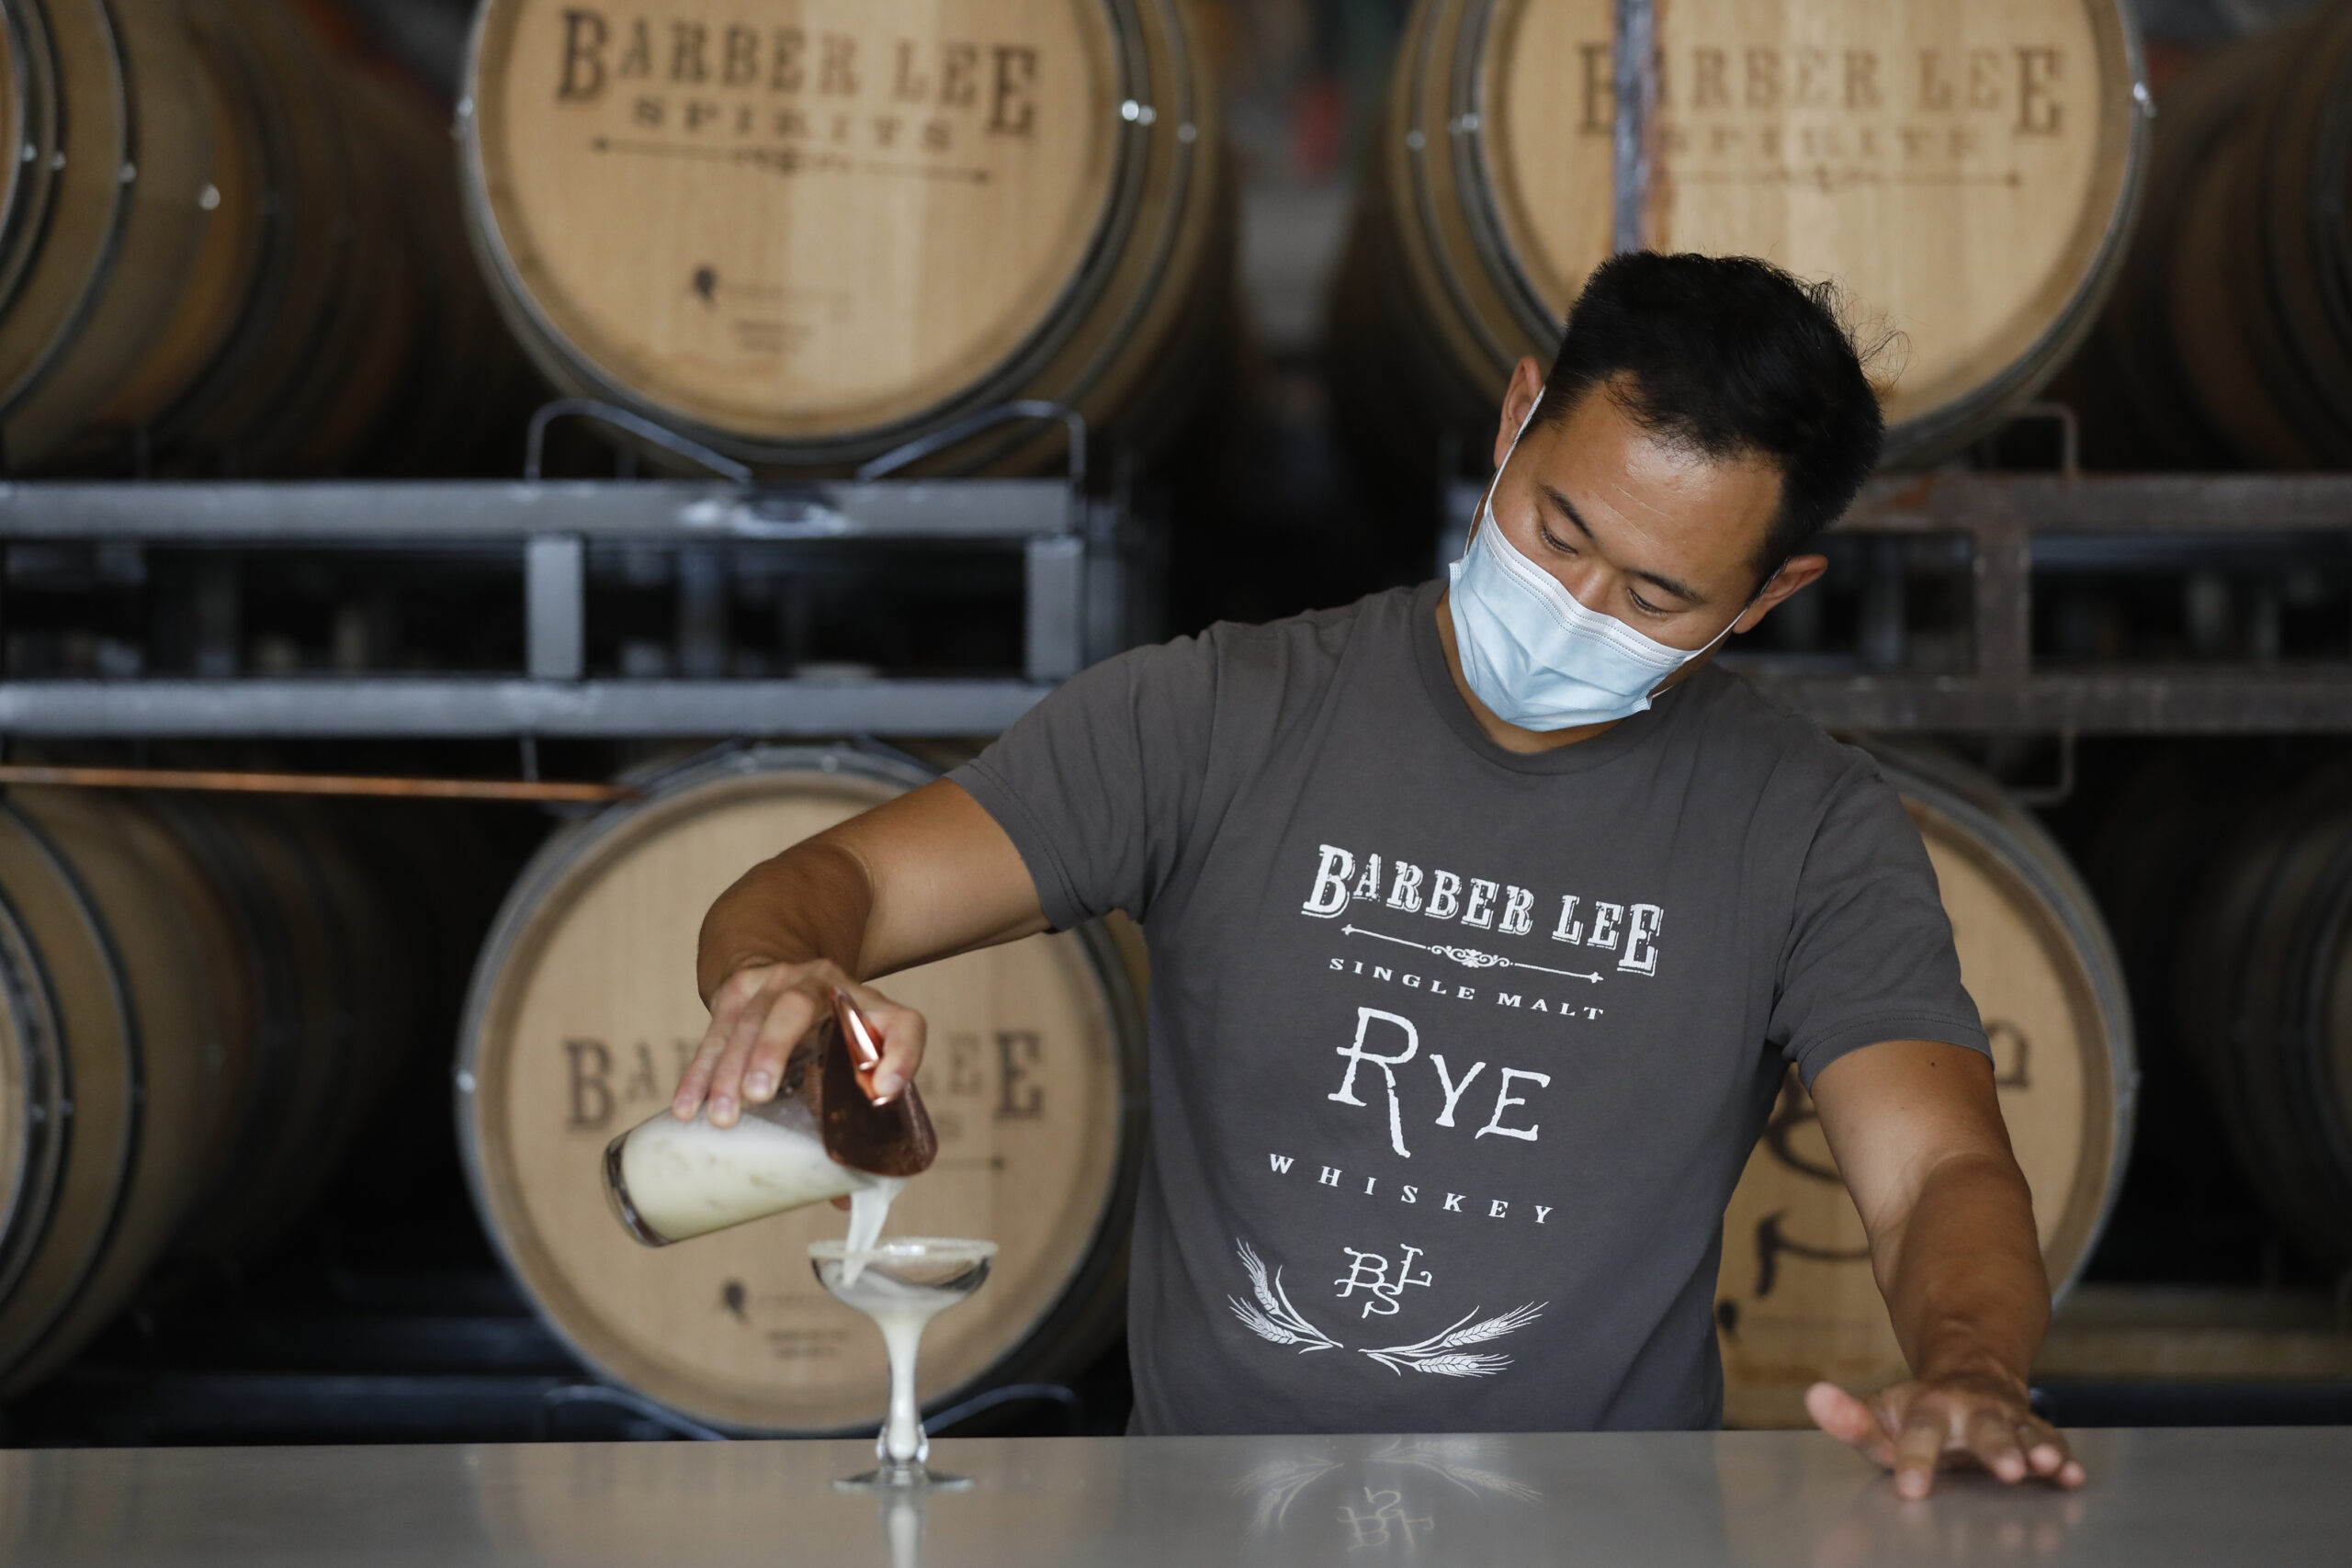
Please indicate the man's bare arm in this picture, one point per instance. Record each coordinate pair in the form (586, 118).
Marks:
(1916, 1131)
(923, 876)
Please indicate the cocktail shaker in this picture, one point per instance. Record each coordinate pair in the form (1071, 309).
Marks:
(823, 1137)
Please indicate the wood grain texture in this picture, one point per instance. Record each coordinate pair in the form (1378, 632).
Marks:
(804, 231)
(2228, 343)
(88, 199)
(152, 252)
(226, 243)
(1964, 172)
(2264, 1003)
(135, 880)
(216, 995)
(36, 1097)
(28, 120)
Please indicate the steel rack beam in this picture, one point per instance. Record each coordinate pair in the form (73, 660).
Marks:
(2087, 504)
(2185, 701)
(1962, 502)
(324, 706)
(359, 515)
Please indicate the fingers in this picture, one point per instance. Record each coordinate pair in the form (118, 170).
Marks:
(1840, 1414)
(1913, 1428)
(758, 1014)
(2047, 1453)
(1919, 1448)
(744, 1011)
(788, 1016)
(902, 1032)
(693, 1084)
(1849, 1421)
(686, 1099)
(779, 1008)
(1993, 1442)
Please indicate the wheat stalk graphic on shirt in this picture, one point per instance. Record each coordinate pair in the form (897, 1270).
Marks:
(1446, 1353)
(1273, 1318)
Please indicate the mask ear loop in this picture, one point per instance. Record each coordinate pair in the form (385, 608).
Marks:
(1769, 579)
(1486, 501)
(1722, 636)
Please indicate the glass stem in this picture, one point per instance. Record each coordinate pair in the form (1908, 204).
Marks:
(902, 1435)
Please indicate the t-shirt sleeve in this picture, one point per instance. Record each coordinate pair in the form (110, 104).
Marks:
(1870, 954)
(1098, 785)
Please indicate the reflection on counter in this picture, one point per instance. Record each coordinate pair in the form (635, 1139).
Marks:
(905, 1516)
(1378, 1504)
(1809, 1505)
(1504, 1498)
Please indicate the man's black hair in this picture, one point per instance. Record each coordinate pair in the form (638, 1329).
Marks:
(1734, 357)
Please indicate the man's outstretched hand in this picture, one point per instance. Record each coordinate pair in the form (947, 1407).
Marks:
(1917, 1429)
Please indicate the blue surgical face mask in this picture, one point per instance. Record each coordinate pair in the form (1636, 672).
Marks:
(1534, 655)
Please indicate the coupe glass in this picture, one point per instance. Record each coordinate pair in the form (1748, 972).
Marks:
(902, 1284)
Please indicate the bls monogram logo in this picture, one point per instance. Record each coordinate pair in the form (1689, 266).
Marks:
(1384, 1519)
(1444, 1354)
(1368, 1271)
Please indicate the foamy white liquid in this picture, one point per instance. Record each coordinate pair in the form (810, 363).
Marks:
(688, 1177)
(868, 1208)
(900, 1311)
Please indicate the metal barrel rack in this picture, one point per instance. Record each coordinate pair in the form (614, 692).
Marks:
(1068, 545)
(1072, 547)
(2002, 531)
(2015, 525)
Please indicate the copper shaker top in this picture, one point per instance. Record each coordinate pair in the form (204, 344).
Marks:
(832, 1071)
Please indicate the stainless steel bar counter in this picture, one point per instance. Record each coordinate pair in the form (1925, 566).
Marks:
(2274, 1497)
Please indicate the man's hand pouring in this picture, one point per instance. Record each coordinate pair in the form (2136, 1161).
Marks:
(760, 1012)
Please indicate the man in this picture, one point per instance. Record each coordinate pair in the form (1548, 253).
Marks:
(1484, 919)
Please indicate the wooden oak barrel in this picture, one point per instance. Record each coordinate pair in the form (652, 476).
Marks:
(1965, 171)
(337, 985)
(195, 1011)
(804, 231)
(367, 343)
(225, 245)
(1795, 1300)
(307, 167)
(2229, 339)
(125, 1050)
(2265, 999)
(463, 390)
(135, 263)
(583, 1013)
(28, 121)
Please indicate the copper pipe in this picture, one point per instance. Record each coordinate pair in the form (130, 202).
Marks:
(311, 783)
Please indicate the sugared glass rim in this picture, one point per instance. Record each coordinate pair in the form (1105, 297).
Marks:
(908, 1249)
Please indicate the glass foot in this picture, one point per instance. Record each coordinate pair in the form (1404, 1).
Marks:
(903, 1478)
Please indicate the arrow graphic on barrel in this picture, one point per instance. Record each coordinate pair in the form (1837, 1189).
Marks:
(1468, 958)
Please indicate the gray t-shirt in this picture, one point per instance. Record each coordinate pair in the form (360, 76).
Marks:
(1456, 1054)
